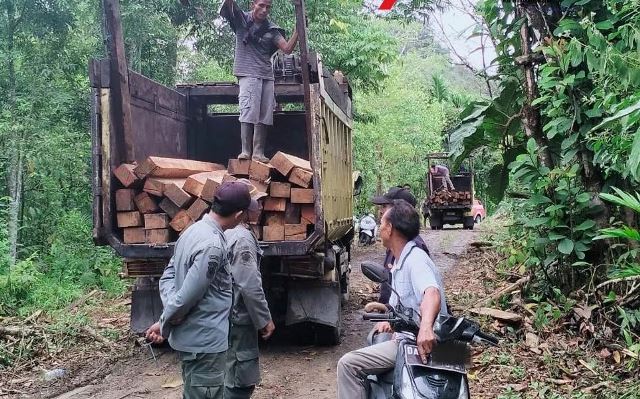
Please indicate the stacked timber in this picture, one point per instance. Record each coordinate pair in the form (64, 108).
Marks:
(453, 197)
(160, 197)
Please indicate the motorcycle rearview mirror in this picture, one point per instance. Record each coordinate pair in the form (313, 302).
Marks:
(374, 272)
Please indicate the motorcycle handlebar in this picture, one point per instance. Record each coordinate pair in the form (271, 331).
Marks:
(377, 316)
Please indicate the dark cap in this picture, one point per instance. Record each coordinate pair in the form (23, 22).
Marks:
(395, 193)
(235, 196)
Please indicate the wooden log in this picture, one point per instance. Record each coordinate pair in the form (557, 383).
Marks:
(125, 199)
(296, 237)
(280, 190)
(210, 187)
(197, 209)
(169, 207)
(125, 175)
(308, 214)
(158, 185)
(145, 203)
(239, 167)
(134, 235)
(195, 183)
(498, 314)
(157, 236)
(292, 214)
(273, 233)
(254, 217)
(301, 177)
(260, 171)
(178, 196)
(173, 167)
(302, 195)
(156, 221)
(129, 219)
(262, 187)
(275, 204)
(274, 219)
(283, 163)
(229, 177)
(191, 222)
(181, 221)
(295, 229)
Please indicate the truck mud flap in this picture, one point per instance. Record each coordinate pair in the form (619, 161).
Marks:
(146, 306)
(314, 302)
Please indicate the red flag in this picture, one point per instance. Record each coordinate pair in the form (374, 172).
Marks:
(387, 5)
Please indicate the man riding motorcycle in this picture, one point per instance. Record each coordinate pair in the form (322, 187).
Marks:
(385, 202)
(417, 285)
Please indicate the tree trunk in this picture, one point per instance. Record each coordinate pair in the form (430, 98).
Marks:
(531, 120)
(15, 140)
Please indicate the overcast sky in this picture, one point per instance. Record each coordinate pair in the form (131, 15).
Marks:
(458, 26)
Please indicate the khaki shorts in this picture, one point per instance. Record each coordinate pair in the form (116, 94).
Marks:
(256, 100)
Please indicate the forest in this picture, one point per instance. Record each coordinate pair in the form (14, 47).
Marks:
(551, 126)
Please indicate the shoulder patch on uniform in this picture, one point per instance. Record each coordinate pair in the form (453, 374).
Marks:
(246, 256)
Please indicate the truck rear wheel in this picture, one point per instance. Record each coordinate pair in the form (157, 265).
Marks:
(436, 222)
(468, 222)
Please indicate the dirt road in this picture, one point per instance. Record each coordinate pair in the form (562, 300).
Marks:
(288, 370)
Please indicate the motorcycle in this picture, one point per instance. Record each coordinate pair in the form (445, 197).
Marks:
(444, 374)
(367, 230)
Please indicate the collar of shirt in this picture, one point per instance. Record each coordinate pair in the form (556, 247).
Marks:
(209, 220)
(403, 255)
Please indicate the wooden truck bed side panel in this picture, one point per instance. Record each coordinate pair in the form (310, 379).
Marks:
(333, 168)
(159, 121)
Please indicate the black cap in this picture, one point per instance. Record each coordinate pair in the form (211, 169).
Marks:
(395, 193)
(235, 196)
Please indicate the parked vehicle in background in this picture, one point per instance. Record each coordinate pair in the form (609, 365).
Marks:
(446, 206)
(478, 211)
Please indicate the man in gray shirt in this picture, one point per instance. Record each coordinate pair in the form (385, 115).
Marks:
(257, 39)
(196, 292)
(441, 172)
(250, 314)
(420, 288)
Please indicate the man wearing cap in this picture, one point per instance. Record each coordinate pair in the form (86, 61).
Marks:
(385, 202)
(196, 291)
(257, 39)
(250, 313)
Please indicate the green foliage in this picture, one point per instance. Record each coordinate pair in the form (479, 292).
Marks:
(627, 256)
(558, 223)
(408, 125)
(494, 124)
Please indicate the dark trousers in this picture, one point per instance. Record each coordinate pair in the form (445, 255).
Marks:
(203, 375)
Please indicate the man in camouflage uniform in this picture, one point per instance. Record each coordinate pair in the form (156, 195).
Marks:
(196, 291)
(249, 316)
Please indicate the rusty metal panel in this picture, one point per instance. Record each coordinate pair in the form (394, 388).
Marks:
(159, 119)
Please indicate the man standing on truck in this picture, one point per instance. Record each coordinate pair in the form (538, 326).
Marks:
(257, 39)
(442, 172)
(385, 202)
(249, 316)
(417, 282)
(196, 291)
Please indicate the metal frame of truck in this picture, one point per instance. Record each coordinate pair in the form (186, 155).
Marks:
(135, 117)
(450, 214)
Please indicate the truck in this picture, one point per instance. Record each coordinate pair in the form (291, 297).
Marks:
(134, 117)
(458, 206)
